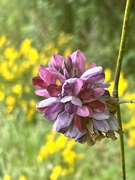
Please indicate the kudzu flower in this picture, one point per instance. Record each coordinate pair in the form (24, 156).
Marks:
(76, 99)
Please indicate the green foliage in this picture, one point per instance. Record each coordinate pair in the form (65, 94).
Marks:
(96, 26)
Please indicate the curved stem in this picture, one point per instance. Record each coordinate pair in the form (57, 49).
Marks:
(116, 80)
(127, 101)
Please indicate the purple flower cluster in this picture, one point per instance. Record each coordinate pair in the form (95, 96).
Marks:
(76, 98)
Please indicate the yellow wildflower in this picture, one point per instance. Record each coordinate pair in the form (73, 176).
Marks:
(67, 52)
(43, 154)
(33, 55)
(2, 95)
(108, 74)
(50, 136)
(10, 53)
(9, 108)
(25, 46)
(122, 85)
(132, 133)
(131, 142)
(17, 88)
(2, 40)
(129, 96)
(29, 114)
(10, 100)
(32, 103)
(6, 177)
(56, 172)
(69, 156)
(61, 142)
(22, 178)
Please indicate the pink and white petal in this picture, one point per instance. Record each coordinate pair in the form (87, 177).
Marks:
(92, 65)
(79, 61)
(50, 76)
(66, 99)
(52, 112)
(56, 61)
(98, 92)
(42, 92)
(63, 120)
(48, 102)
(76, 101)
(101, 116)
(91, 72)
(77, 87)
(83, 111)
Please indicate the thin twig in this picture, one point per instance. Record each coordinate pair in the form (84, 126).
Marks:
(127, 101)
(116, 80)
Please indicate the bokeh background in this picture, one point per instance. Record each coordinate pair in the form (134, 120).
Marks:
(30, 32)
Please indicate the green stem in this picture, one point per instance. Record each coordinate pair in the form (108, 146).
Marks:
(127, 101)
(116, 79)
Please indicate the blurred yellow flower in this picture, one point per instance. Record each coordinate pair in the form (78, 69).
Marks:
(25, 46)
(17, 88)
(29, 114)
(122, 85)
(22, 178)
(108, 74)
(9, 108)
(67, 52)
(61, 142)
(69, 156)
(33, 55)
(6, 177)
(10, 100)
(131, 142)
(129, 96)
(56, 172)
(132, 133)
(2, 40)
(10, 53)
(2, 95)
(32, 103)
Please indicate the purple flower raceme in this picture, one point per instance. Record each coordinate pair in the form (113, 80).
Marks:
(76, 99)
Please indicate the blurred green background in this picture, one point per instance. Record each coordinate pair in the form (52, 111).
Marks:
(30, 32)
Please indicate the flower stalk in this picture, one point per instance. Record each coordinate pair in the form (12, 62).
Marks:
(132, 101)
(117, 76)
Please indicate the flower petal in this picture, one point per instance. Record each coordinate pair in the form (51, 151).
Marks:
(113, 122)
(50, 76)
(77, 87)
(63, 120)
(56, 62)
(78, 61)
(78, 122)
(92, 72)
(102, 126)
(54, 90)
(52, 112)
(101, 116)
(38, 82)
(42, 92)
(83, 111)
(48, 102)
